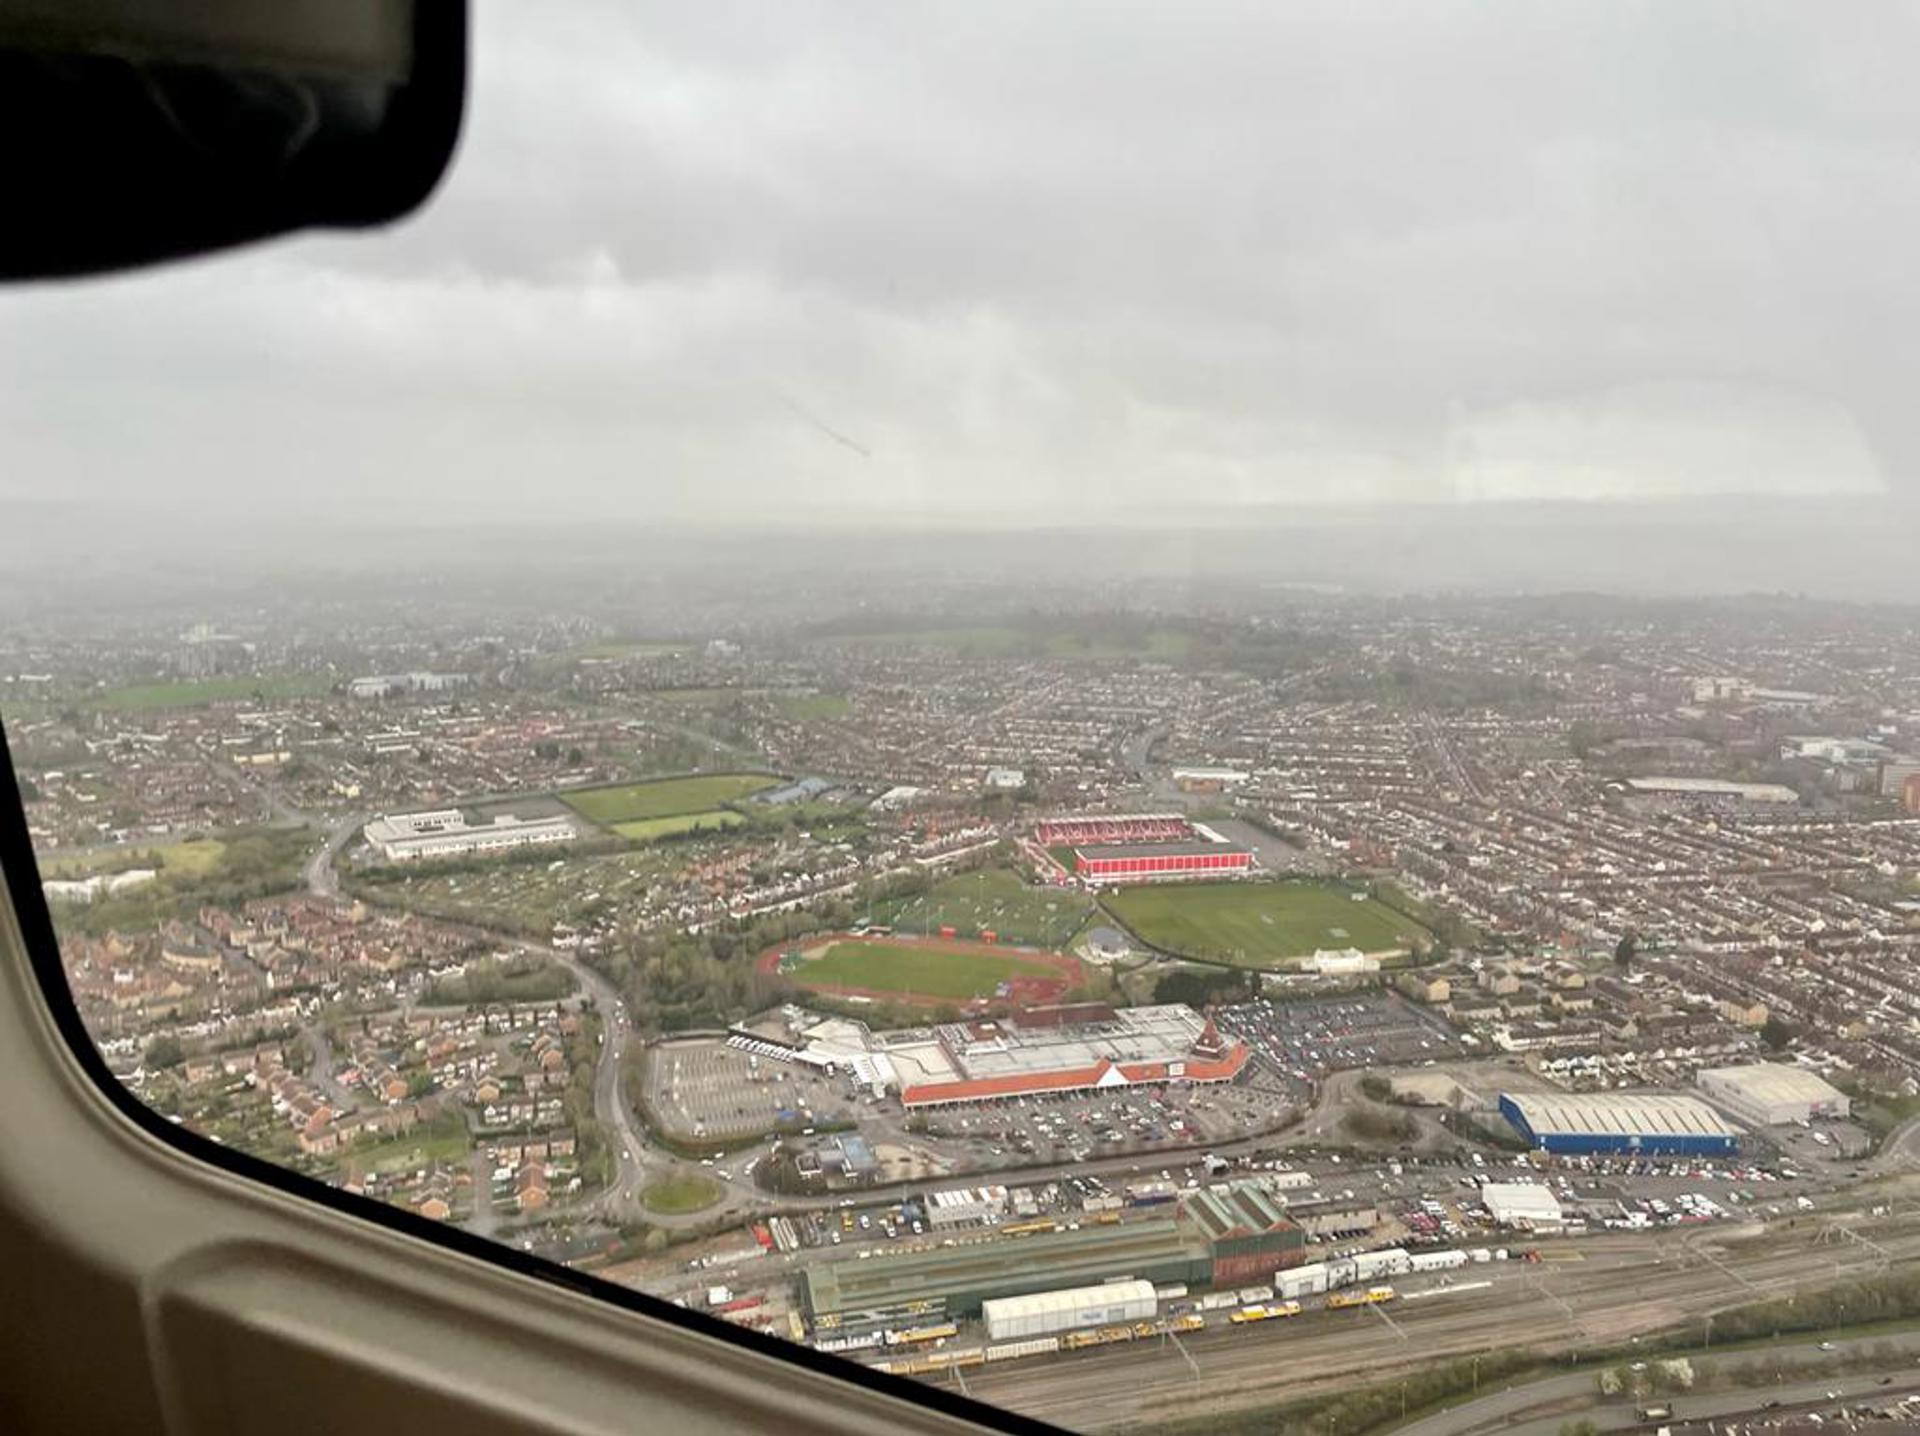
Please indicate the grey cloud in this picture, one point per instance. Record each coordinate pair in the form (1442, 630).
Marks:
(1045, 258)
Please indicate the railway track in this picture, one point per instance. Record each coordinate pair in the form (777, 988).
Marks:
(1614, 1294)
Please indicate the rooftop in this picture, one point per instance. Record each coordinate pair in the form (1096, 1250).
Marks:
(1156, 850)
(1042, 1262)
(1774, 1082)
(1628, 1114)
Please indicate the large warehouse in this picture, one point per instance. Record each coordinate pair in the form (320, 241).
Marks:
(1526, 1205)
(1637, 1124)
(956, 1281)
(1014, 1318)
(1080, 1048)
(1224, 1236)
(446, 833)
(1770, 1094)
(1247, 1229)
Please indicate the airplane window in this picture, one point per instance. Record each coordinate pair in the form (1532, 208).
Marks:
(1198, 717)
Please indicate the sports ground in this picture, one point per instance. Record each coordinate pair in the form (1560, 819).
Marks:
(639, 810)
(992, 900)
(1260, 924)
(924, 970)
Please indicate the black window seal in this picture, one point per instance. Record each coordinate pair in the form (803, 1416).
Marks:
(22, 872)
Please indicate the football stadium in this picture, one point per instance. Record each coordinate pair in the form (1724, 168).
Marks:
(1134, 848)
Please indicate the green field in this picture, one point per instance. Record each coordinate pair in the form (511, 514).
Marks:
(194, 858)
(918, 972)
(664, 797)
(437, 1141)
(996, 899)
(681, 1192)
(645, 830)
(211, 690)
(1259, 924)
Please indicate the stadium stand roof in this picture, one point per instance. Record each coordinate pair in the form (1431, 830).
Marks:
(1157, 850)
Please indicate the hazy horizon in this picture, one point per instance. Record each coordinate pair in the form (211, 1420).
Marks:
(1090, 266)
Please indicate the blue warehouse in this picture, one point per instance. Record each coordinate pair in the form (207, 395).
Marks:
(1637, 1124)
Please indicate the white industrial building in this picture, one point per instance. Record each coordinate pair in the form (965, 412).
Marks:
(1713, 788)
(387, 685)
(960, 1207)
(1525, 1205)
(445, 833)
(1011, 1318)
(1771, 1094)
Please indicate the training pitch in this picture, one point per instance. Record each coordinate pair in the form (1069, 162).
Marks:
(664, 797)
(1260, 924)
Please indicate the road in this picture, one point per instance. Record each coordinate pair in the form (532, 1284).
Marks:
(1518, 1409)
(634, 1161)
(319, 876)
(321, 1072)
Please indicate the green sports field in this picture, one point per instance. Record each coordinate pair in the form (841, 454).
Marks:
(665, 797)
(917, 971)
(1259, 924)
(992, 899)
(645, 830)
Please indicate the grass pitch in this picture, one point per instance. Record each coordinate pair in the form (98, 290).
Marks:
(645, 830)
(664, 797)
(1260, 924)
(917, 971)
(264, 688)
(993, 900)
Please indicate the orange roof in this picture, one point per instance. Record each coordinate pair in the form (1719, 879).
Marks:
(1070, 1079)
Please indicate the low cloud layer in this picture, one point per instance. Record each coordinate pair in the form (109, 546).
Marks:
(820, 261)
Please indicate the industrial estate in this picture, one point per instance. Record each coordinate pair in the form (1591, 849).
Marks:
(1131, 1019)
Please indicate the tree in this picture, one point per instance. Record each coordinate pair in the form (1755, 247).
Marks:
(1626, 950)
(163, 1051)
(1775, 1033)
(29, 791)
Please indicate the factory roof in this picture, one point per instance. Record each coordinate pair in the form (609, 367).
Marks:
(1774, 1082)
(1012, 1266)
(1240, 1208)
(1507, 1200)
(1625, 1114)
(1717, 788)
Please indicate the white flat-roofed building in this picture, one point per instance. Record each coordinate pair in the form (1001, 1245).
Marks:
(446, 833)
(1710, 789)
(959, 1207)
(1012, 1318)
(1526, 1205)
(1772, 1094)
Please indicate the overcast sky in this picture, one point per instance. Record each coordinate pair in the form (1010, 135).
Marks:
(1086, 259)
